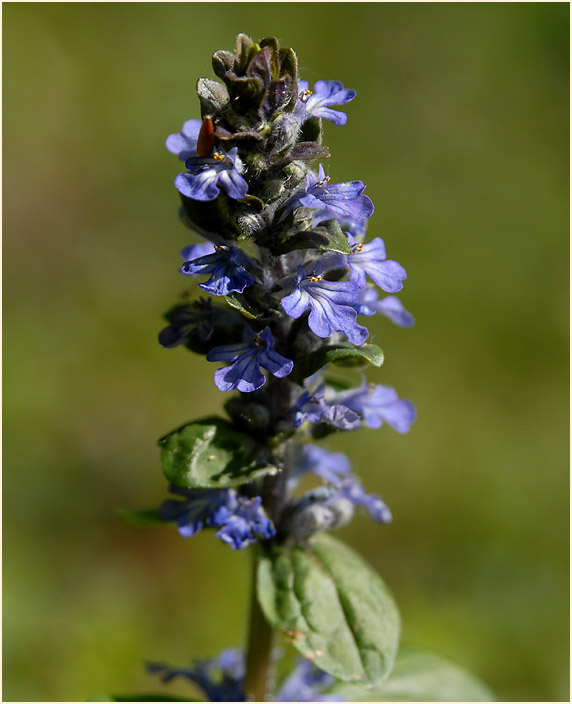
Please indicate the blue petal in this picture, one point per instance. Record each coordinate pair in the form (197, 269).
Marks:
(228, 353)
(200, 186)
(327, 315)
(181, 146)
(337, 117)
(374, 504)
(393, 308)
(372, 250)
(233, 183)
(296, 303)
(330, 466)
(276, 364)
(388, 275)
(399, 415)
(243, 375)
(334, 291)
(237, 534)
(334, 192)
(196, 251)
(192, 128)
(333, 92)
(357, 335)
(341, 417)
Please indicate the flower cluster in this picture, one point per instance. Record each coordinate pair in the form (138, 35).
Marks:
(285, 252)
(239, 520)
(222, 679)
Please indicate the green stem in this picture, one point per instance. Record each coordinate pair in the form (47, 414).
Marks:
(259, 647)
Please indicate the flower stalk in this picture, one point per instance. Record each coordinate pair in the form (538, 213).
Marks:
(259, 645)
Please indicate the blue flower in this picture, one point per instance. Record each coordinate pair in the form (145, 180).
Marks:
(352, 490)
(390, 306)
(196, 317)
(221, 679)
(227, 266)
(255, 351)
(194, 251)
(317, 102)
(335, 469)
(379, 404)
(200, 507)
(330, 303)
(306, 684)
(337, 200)
(312, 406)
(240, 520)
(224, 168)
(247, 521)
(184, 143)
(370, 259)
(329, 466)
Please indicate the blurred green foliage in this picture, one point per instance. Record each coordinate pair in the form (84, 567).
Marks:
(460, 130)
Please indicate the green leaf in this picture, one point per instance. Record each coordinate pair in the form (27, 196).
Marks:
(211, 454)
(240, 303)
(328, 237)
(333, 607)
(421, 676)
(141, 516)
(343, 355)
(141, 698)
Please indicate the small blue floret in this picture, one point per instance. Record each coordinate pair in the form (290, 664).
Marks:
(330, 304)
(377, 404)
(317, 103)
(241, 521)
(228, 267)
(207, 173)
(255, 351)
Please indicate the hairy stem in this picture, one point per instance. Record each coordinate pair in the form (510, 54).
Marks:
(259, 647)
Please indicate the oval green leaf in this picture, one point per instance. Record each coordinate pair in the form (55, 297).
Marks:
(344, 355)
(211, 454)
(421, 676)
(333, 608)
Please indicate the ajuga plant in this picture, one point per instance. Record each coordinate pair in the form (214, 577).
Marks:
(287, 277)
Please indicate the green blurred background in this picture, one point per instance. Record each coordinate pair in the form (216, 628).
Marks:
(460, 130)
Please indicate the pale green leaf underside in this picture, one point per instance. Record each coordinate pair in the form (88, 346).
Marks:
(333, 608)
(420, 676)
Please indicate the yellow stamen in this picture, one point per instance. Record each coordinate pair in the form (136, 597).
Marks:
(304, 95)
(313, 279)
(322, 182)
